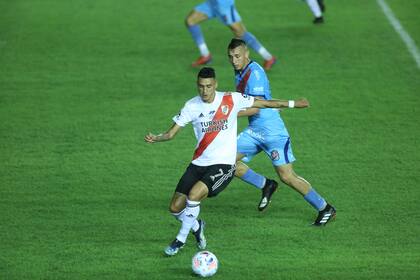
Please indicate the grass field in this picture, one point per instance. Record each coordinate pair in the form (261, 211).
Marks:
(83, 197)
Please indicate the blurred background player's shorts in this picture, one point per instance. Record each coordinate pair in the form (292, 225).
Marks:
(227, 14)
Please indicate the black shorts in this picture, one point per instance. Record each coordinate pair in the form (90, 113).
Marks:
(216, 177)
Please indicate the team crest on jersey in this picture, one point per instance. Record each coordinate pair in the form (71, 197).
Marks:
(275, 155)
(225, 109)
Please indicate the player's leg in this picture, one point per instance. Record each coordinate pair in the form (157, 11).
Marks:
(248, 147)
(314, 6)
(279, 149)
(179, 202)
(177, 205)
(198, 192)
(247, 175)
(179, 199)
(287, 175)
(200, 13)
(192, 209)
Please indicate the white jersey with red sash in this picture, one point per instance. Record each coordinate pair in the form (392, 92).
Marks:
(215, 126)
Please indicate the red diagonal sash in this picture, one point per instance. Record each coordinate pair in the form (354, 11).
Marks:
(209, 136)
(242, 84)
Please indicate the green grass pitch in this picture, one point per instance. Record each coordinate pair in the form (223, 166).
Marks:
(83, 197)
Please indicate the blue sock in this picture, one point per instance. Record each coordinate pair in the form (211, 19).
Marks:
(254, 179)
(251, 41)
(317, 201)
(196, 33)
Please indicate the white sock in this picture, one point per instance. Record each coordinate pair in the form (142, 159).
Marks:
(265, 54)
(190, 217)
(313, 5)
(204, 51)
(180, 216)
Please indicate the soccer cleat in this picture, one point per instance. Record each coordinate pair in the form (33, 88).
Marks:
(321, 5)
(202, 60)
(269, 188)
(324, 216)
(174, 247)
(199, 235)
(268, 64)
(318, 20)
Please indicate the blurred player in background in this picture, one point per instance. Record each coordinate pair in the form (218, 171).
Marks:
(225, 11)
(213, 115)
(267, 132)
(317, 8)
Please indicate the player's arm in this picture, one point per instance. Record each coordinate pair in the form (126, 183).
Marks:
(168, 135)
(299, 103)
(248, 112)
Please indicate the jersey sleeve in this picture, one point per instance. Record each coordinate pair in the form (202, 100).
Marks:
(257, 84)
(243, 101)
(183, 118)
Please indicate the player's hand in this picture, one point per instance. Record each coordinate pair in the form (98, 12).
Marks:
(150, 138)
(301, 103)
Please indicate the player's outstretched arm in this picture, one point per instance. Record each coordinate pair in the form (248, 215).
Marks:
(248, 112)
(299, 103)
(168, 135)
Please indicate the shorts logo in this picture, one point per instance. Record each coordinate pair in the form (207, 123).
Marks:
(275, 155)
(213, 177)
(225, 109)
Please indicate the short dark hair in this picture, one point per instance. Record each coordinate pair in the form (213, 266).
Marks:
(235, 42)
(206, 72)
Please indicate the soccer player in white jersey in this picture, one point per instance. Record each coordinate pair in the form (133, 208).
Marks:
(213, 115)
(267, 132)
(226, 12)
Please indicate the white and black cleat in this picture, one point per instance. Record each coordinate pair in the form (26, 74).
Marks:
(174, 247)
(324, 216)
(269, 188)
(199, 235)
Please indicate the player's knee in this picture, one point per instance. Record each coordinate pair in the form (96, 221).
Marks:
(239, 33)
(192, 19)
(241, 169)
(195, 196)
(188, 21)
(238, 30)
(176, 206)
(286, 177)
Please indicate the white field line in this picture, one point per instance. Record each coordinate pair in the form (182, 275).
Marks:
(411, 45)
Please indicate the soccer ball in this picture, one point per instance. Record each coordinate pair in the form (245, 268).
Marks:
(205, 264)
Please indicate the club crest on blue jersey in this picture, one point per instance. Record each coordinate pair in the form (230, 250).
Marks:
(275, 155)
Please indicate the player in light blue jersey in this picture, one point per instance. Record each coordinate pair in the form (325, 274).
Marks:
(267, 132)
(226, 12)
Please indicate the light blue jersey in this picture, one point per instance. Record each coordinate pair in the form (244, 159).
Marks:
(266, 130)
(254, 82)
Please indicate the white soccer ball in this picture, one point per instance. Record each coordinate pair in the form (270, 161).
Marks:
(205, 264)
